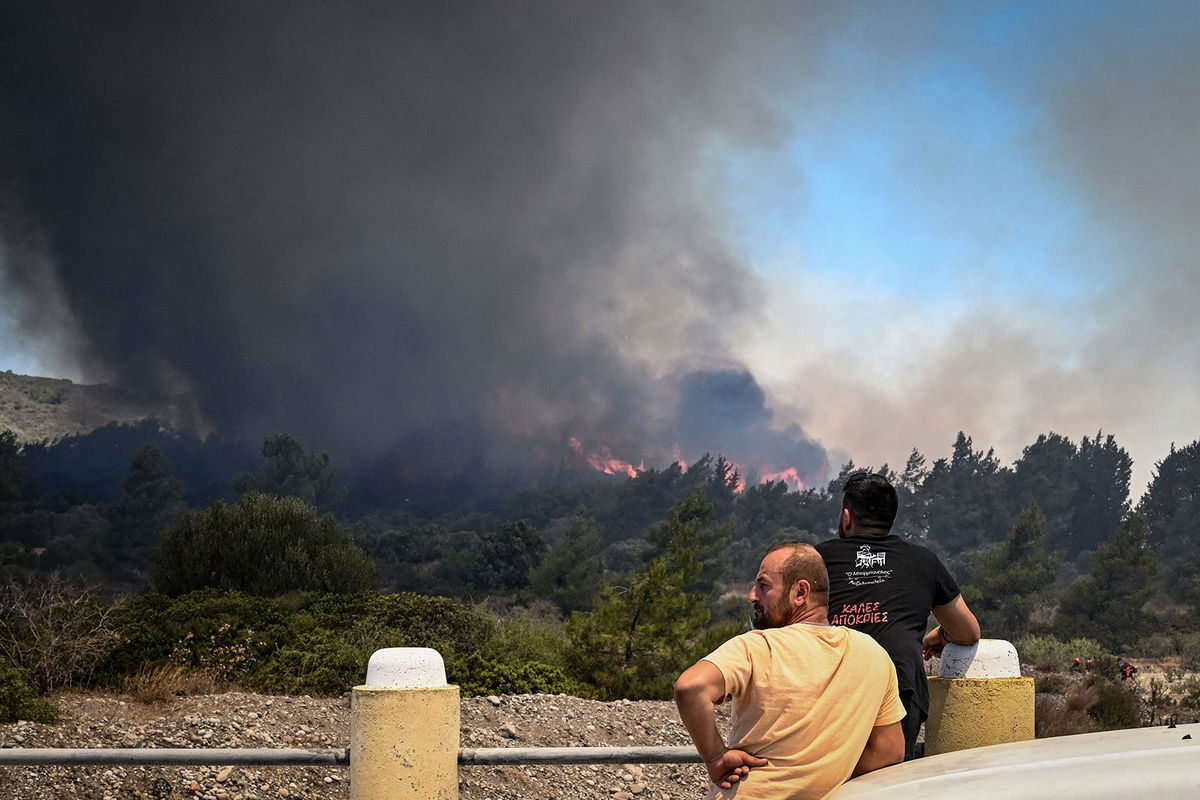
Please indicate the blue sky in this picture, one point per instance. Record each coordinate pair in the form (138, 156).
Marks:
(920, 176)
(945, 173)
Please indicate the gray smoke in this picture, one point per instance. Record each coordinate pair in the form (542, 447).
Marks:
(449, 234)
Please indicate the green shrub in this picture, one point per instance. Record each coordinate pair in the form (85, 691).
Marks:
(1115, 707)
(1049, 653)
(528, 636)
(322, 663)
(19, 701)
(1051, 684)
(263, 546)
(1187, 692)
(226, 634)
(477, 675)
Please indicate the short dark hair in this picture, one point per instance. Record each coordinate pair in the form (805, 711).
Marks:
(872, 500)
(804, 563)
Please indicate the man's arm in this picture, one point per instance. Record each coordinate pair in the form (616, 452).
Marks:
(697, 692)
(956, 624)
(885, 746)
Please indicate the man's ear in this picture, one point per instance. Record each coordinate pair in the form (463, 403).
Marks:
(846, 520)
(801, 589)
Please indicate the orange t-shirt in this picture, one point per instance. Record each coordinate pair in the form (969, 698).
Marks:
(805, 698)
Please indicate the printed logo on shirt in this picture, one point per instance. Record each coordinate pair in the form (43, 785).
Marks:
(869, 568)
(867, 559)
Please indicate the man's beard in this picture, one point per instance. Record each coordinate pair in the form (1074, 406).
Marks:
(775, 617)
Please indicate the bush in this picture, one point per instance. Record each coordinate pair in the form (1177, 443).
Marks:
(263, 546)
(1115, 707)
(1187, 692)
(477, 675)
(529, 636)
(1050, 654)
(1064, 715)
(18, 699)
(1051, 684)
(55, 631)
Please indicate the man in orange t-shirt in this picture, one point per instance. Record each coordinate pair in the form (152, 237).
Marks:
(813, 704)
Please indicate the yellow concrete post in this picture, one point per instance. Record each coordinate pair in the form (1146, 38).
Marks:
(404, 726)
(978, 698)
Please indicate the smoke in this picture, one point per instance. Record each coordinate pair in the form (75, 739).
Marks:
(439, 235)
(1107, 96)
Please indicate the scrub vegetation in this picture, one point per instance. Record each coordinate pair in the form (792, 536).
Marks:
(173, 565)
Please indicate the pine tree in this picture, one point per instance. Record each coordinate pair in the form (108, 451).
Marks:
(291, 471)
(1012, 577)
(964, 499)
(12, 471)
(1172, 503)
(1106, 603)
(1102, 471)
(151, 499)
(641, 636)
(570, 573)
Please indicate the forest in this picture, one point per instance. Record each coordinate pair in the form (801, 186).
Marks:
(159, 556)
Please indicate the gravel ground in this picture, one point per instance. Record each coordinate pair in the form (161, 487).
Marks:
(250, 720)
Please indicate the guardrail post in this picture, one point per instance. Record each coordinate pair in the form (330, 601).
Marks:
(404, 725)
(978, 698)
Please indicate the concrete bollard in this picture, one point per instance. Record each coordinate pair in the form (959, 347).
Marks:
(979, 698)
(404, 726)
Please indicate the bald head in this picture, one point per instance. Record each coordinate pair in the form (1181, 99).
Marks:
(803, 562)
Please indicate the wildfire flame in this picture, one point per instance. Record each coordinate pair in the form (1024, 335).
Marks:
(604, 461)
(790, 476)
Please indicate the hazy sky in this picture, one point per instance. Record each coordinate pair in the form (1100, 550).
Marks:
(937, 216)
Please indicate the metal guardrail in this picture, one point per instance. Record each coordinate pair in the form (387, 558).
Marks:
(173, 756)
(578, 755)
(281, 757)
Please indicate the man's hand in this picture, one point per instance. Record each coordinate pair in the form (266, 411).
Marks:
(731, 766)
(932, 643)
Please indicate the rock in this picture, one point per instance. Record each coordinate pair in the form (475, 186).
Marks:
(224, 774)
(636, 788)
(495, 701)
(508, 730)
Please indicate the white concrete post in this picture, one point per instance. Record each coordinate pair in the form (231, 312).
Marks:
(978, 698)
(404, 726)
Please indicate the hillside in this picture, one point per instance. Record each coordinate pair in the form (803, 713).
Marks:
(50, 408)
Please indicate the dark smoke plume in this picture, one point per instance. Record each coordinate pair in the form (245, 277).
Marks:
(438, 236)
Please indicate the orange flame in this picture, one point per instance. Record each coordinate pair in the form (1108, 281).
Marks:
(604, 461)
(790, 476)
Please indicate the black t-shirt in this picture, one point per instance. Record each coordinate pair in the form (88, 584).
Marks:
(886, 586)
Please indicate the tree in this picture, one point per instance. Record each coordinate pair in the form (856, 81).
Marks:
(291, 471)
(12, 472)
(1106, 603)
(151, 498)
(640, 636)
(569, 574)
(1012, 577)
(508, 554)
(911, 520)
(693, 518)
(262, 546)
(1102, 474)
(964, 499)
(1046, 475)
(1172, 502)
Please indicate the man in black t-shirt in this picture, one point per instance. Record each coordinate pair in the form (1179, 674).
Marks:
(886, 587)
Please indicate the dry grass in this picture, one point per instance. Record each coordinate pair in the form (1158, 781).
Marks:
(166, 682)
